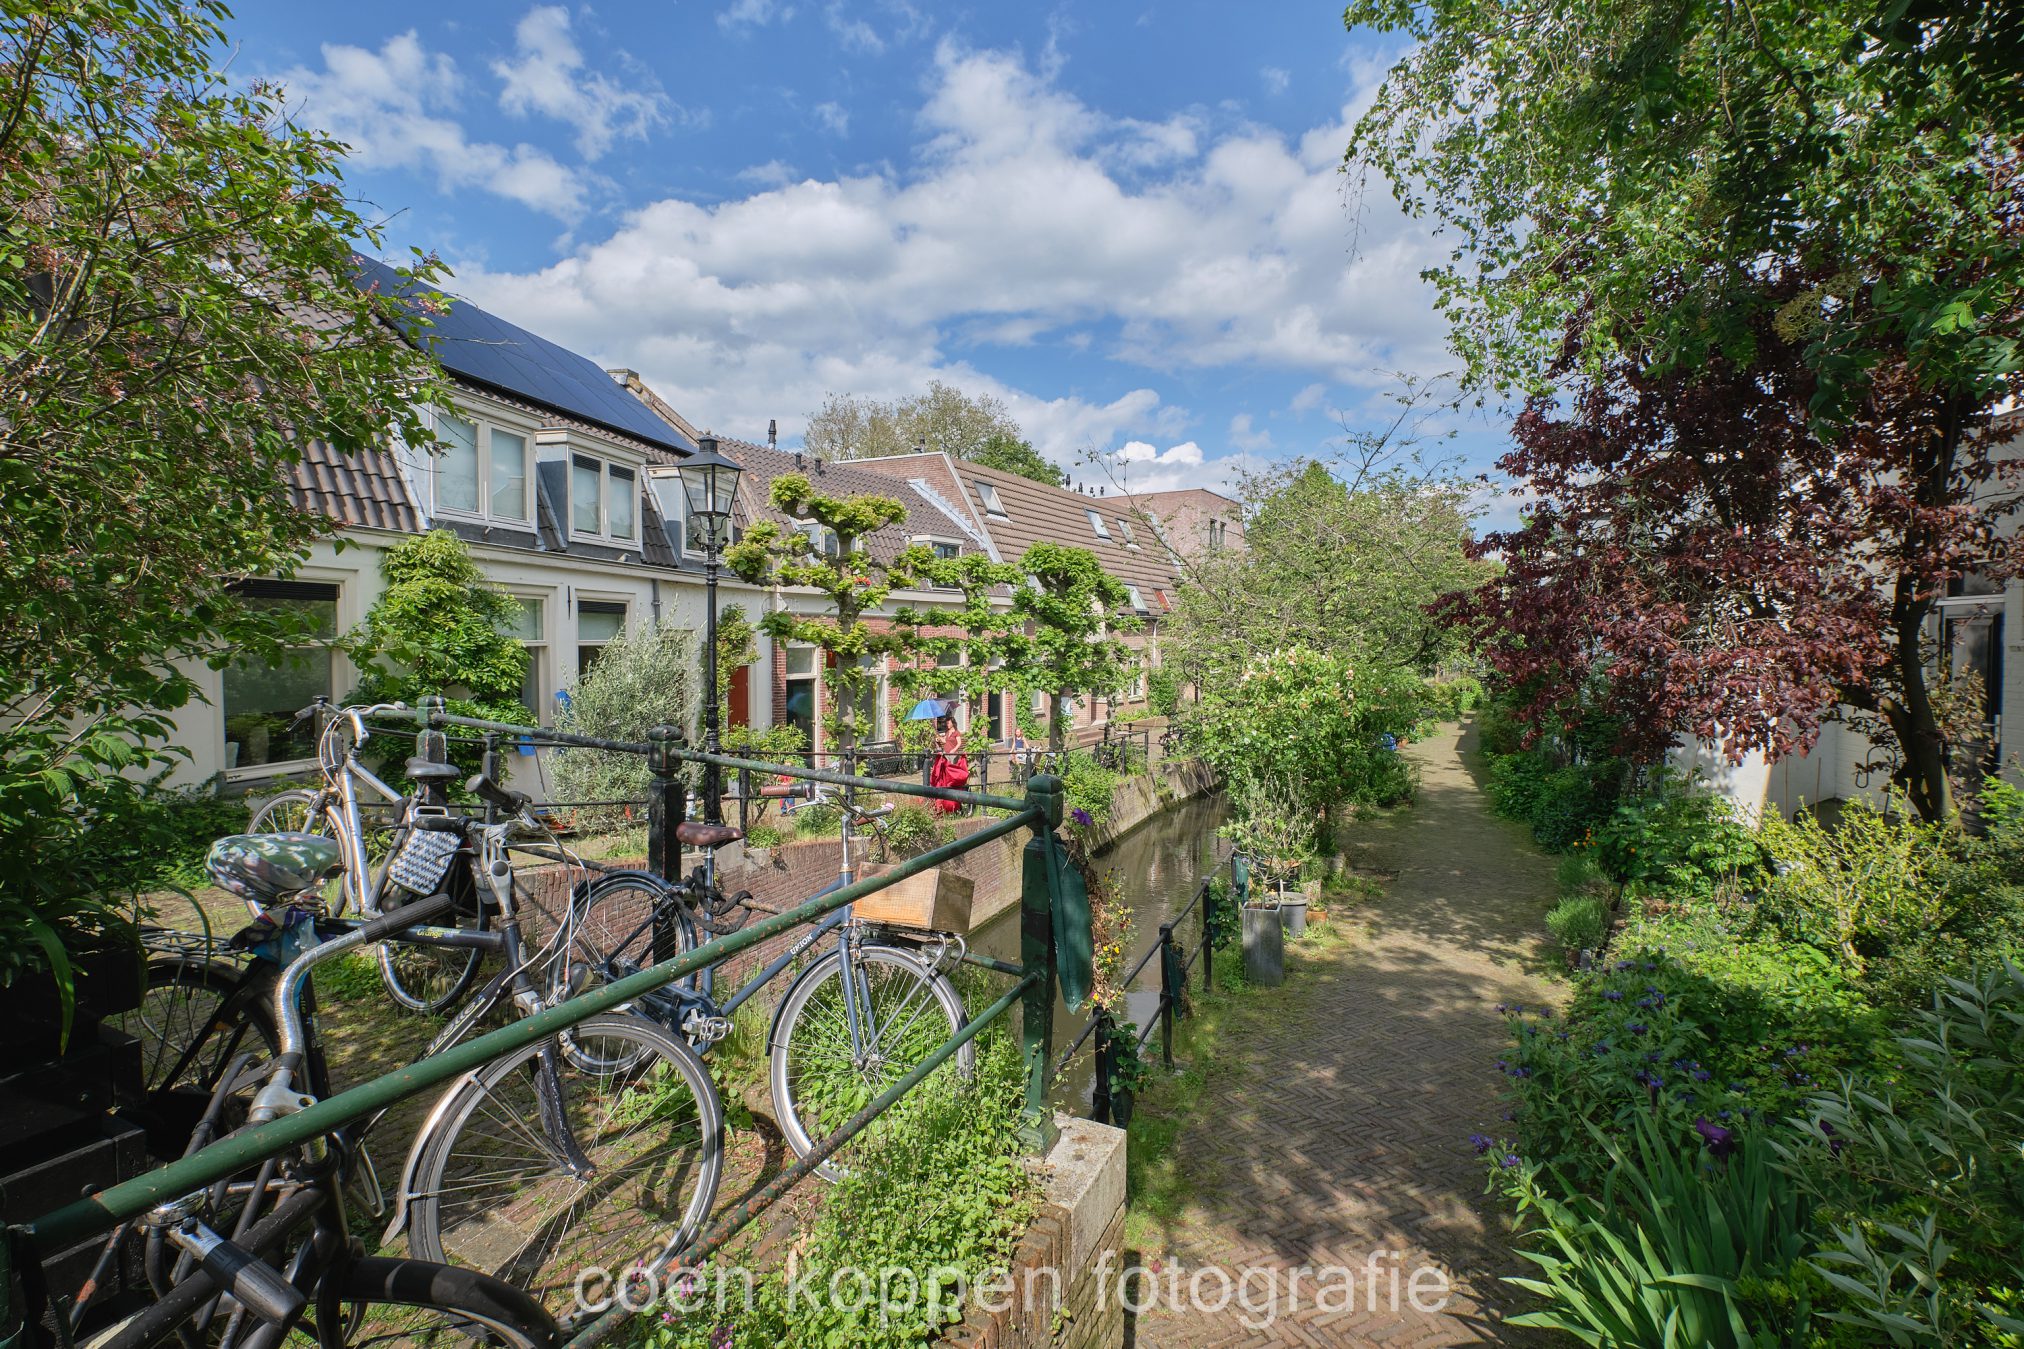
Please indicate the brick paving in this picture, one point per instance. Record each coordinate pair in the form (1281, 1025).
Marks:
(1331, 1131)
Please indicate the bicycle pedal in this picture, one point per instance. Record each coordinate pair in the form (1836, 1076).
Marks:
(707, 1030)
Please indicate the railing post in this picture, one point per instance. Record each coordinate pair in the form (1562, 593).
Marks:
(667, 805)
(1208, 932)
(1036, 949)
(1101, 1107)
(1170, 996)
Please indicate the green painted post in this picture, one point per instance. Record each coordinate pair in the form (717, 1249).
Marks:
(1036, 949)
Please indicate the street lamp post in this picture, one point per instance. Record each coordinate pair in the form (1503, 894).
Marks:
(709, 484)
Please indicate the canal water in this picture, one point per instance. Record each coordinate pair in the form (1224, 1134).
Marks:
(1157, 867)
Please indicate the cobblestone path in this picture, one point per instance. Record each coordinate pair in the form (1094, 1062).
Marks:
(1332, 1130)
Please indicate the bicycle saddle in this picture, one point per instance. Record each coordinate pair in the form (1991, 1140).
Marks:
(427, 770)
(696, 834)
(268, 868)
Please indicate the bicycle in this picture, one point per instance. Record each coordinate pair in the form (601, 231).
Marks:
(516, 1168)
(268, 1255)
(419, 979)
(854, 1021)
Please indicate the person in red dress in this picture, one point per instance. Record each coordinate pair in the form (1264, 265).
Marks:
(952, 766)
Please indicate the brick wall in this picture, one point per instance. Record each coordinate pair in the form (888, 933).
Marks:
(1061, 1290)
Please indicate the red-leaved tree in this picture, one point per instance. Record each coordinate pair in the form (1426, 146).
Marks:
(1706, 559)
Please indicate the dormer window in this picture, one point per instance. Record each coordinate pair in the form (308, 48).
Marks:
(1138, 601)
(993, 507)
(604, 500)
(1096, 523)
(482, 471)
(1124, 531)
(822, 540)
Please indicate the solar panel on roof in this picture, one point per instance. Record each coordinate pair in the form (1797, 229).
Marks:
(486, 348)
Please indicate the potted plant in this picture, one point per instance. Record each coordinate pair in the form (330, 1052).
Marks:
(1271, 833)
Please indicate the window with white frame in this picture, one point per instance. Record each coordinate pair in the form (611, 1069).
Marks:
(1124, 531)
(993, 507)
(945, 550)
(598, 623)
(1138, 601)
(261, 697)
(822, 540)
(1096, 522)
(483, 471)
(800, 689)
(529, 624)
(604, 499)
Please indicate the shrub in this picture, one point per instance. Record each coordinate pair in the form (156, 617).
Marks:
(940, 1188)
(641, 680)
(913, 829)
(1676, 840)
(1928, 1171)
(1563, 804)
(817, 819)
(1163, 691)
(1578, 923)
(1693, 1242)
(765, 836)
(1898, 902)
(1088, 785)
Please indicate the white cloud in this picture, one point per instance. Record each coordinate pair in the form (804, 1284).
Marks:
(1308, 398)
(753, 14)
(773, 173)
(1024, 215)
(1275, 80)
(833, 118)
(853, 33)
(396, 109)
(1244, 437)
(1185, 454)
(548, 77)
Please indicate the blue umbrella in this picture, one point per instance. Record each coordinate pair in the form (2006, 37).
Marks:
(927, 709)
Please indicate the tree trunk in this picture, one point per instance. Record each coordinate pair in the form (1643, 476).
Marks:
(1912, 718)
(1056, 735)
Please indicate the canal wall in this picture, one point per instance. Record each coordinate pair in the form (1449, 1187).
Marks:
(795, 870)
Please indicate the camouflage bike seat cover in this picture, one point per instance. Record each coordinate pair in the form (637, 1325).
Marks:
(266, 869)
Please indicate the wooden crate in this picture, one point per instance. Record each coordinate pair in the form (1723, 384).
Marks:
(937, 900)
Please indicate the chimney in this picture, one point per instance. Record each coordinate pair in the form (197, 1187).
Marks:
(772, 434)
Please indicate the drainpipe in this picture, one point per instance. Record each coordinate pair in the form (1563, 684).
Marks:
(654, 593)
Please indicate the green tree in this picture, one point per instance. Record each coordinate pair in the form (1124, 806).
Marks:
(1008, 454)
(435, 630)
(977, 427)
(1648, 165)
(176, 322)
(1071, 608)
(641, 679)
(979, 632)
(841, 568)
(1687, 219)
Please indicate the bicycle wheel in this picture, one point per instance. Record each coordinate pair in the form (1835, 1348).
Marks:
(820, 1075)
(430, 979)
(192, 1021)
(382, 1301)
(497, 1188)
(615, 935)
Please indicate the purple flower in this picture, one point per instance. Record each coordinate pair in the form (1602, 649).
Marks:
(1637, 1028)
(1509, 1161)
(1480, 1142)
(1613, 994)
(1834, 1145)
(1081, 817)
(1702, 1074)
(1721, 1142)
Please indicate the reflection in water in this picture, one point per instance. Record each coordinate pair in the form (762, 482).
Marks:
(1157, 867)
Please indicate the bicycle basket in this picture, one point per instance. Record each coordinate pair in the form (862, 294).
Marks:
(423, 860)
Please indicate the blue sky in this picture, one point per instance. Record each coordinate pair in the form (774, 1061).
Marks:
(1127, 221)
